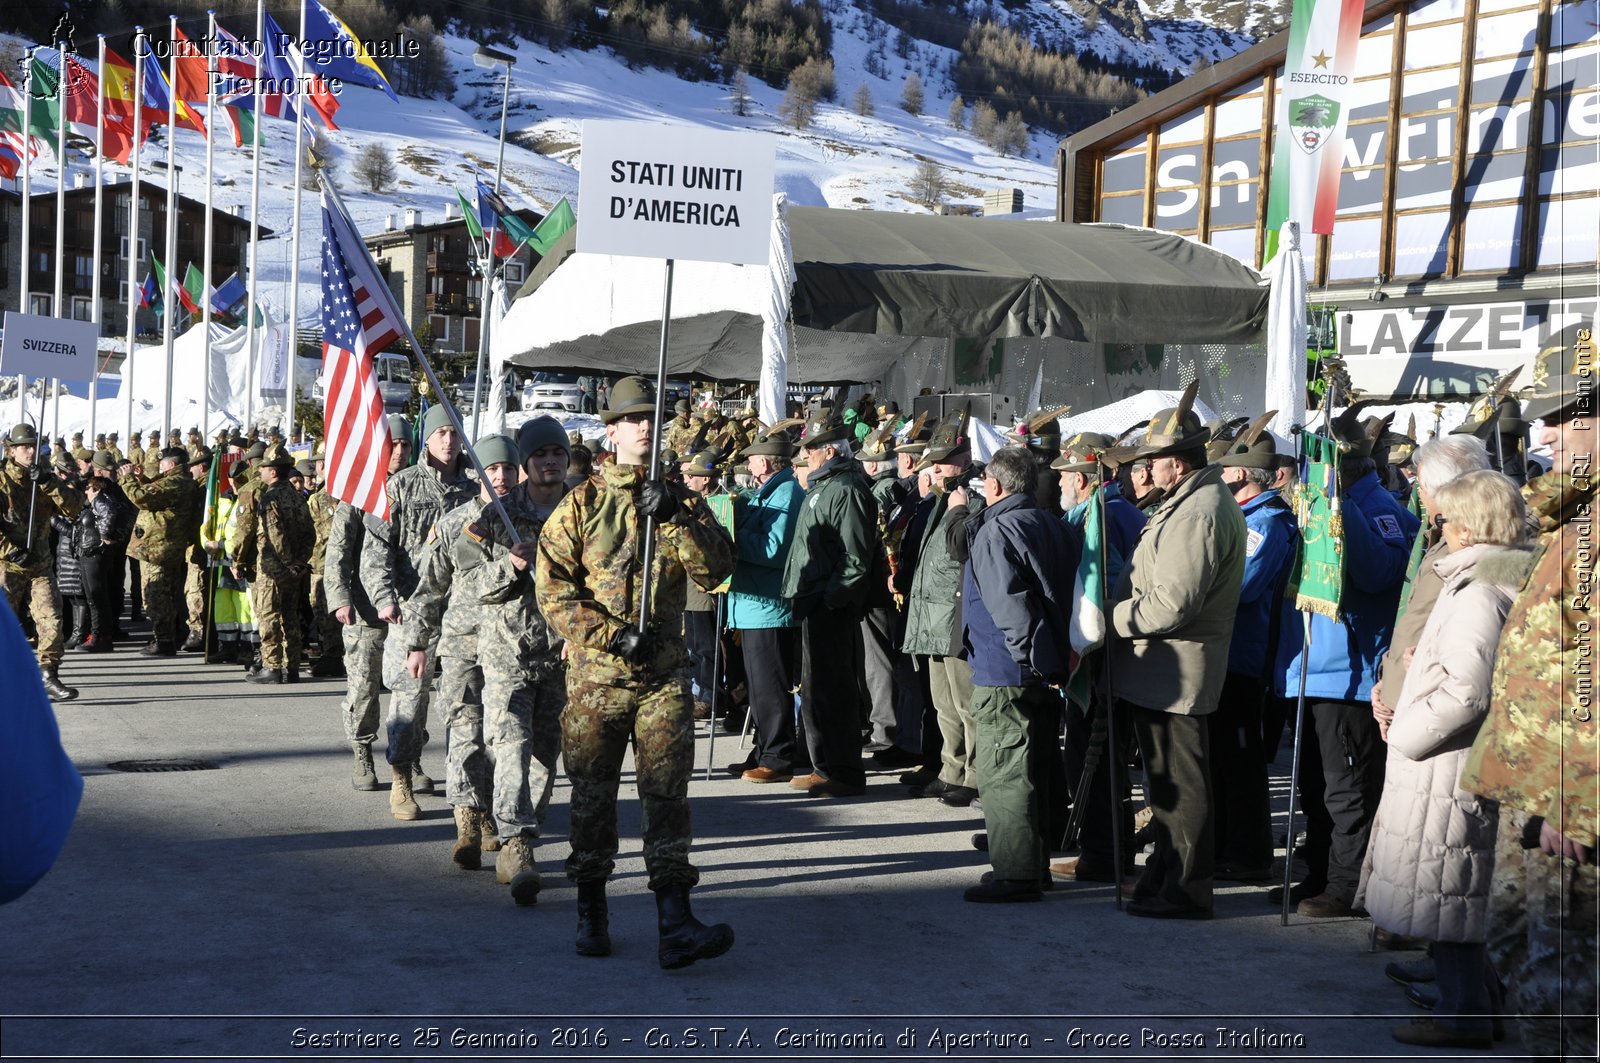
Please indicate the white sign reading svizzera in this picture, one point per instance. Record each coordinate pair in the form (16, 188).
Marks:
(661, 191)
(40, 346)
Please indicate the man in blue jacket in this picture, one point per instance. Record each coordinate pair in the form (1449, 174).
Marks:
(764, 523)
(1341, 768)
(1240, 799)
(1016, 595)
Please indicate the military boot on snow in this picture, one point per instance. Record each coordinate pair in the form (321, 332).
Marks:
(594, 929)
(514, 866)
(467, 853)
(684, 939)
(362, 776)
(53, 685)
(401, 804)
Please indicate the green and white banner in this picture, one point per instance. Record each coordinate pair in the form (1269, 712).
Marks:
(1313, 110)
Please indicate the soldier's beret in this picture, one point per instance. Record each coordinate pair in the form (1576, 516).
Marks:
(201, 456)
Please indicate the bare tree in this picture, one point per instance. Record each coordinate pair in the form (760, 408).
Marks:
(375, 167)
(799, 106)
(739, 99)
(984, 120)
(927, 183)
(958, 113)
(911, 94)
(862, 103)
(1011, 135)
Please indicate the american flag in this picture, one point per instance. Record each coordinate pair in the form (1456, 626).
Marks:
(359, 320)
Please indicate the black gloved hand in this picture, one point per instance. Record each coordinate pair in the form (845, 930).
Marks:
(633, 645)
(655, 499)
(41, 474)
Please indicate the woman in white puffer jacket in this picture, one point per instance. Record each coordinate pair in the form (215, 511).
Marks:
(1427, 868)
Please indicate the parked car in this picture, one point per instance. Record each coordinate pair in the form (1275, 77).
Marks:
(552, 391)
(394, 382)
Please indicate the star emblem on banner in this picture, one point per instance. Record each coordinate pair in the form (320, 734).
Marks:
(1321, 58)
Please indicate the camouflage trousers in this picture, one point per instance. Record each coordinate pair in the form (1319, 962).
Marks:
(466, 765)
(38, 595)
(196, 583)
(602, 713)
(278, 619)
(1543, 942)
(163, 594)
(407, 717)
(522, 729)
(328, 626)
(363, 670)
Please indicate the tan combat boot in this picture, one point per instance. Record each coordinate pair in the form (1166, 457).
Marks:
(514, 866)
(467, 853)
(491, 833)
(401, 804)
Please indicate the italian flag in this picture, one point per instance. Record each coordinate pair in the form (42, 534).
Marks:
(1086, 631)
(1313, 110)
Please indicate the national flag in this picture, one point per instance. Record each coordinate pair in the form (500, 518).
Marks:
(359, 320)
(489, 201)
(237, 69)
(192, 294)
(503, 247)
(16, 146)
(228, 295)
(552, 227)
(1086, 632)
(117, 82)
(158, 99)
(327, 41)
(194, 69)
(285, 66)
(166, 285)
(1313, 110)
(149, 292)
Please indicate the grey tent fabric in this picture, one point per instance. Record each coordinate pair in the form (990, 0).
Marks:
(872, 288)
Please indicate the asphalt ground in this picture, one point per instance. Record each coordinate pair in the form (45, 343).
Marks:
(266, 910)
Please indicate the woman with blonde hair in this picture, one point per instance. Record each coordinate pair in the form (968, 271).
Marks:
(1428, 866)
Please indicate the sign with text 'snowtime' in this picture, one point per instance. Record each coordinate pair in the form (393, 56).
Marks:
(40, 346)
(662, 191)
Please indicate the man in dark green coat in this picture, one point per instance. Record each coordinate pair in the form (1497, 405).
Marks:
(828, 576)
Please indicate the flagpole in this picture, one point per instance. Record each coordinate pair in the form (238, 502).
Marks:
(61, 225)
(294, 253)
(94, 282)
(489, 262)
(24, 294)
(133, 230)
(167, 336)
(255, 228)
(205, 284)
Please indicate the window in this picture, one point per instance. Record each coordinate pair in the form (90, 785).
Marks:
(514, 273)
(81, 309)
(39, 304)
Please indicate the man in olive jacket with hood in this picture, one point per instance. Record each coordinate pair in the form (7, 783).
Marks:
(1172, 624)
(828, 573)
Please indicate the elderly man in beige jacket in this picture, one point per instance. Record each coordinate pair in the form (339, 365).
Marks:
(1172, 622)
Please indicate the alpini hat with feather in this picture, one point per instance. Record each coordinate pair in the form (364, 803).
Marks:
(878, 446)
(1397, 447)
(630, 395)
(1563, 378)
(1254, 449)
(913, 438)
(950, 440)
(1084, 452)
(1357, 437)
(1040, 430)
(1174, 429)
(823, 426)
(773, 443)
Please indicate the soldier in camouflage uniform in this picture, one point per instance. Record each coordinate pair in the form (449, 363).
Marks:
(524, 680)
(442, 620)
(363, 633)
(167, 531)
(680, 431)
(244, 534)
(284, 537)
(32, 497)
(329, 631)
(196, 572)
(623, 681)
(151, 466)
(1537, 753)
(418, 497)
(135, 450)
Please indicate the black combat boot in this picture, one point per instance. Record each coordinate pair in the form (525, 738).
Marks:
(54, 687)
(594, 932)
(273, 676)
(684, 938)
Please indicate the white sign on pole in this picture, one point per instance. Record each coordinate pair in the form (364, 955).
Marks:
(678, 192)
(40, 346)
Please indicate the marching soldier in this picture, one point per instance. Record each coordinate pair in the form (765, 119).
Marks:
(32, 497)
(329, 634)
(197, 574)
(623, 681)
(284, 537)
(418, 497)
(167, 529)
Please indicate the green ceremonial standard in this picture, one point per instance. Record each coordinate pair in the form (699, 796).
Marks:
(1321, 574)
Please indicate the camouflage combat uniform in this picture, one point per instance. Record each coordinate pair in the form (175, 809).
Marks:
(418, 497)
(244, 534)
(589, 579)
(284, 538)
(172, 505)
(1537, 754)
(679, 435)
(524, 678)
(27, 572)
(363, 639)
(439, 615)
(322, 505)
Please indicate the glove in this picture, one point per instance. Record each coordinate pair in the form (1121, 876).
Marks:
(633, 645)
(41, 474)
(656, 500)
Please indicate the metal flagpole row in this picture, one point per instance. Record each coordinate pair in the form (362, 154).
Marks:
(294, 253)
(25, 293)
(205, 283)
(168, 337)
(250, 337)
(133, 234)
(58, 301)
(99, 196)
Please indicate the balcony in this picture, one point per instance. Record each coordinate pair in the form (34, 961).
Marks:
(448, 262)
(451, 303)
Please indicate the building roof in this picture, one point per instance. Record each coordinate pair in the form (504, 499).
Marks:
(9, 190)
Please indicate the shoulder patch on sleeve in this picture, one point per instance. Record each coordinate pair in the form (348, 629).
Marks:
(1388, 526)
(1252, 542)
(433, 533)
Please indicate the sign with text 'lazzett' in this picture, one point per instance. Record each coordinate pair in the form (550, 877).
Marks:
(40, 346)
(682, 192)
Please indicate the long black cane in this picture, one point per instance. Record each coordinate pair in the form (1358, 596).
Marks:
(1091, 764)
(716, 680)
(655, 446)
